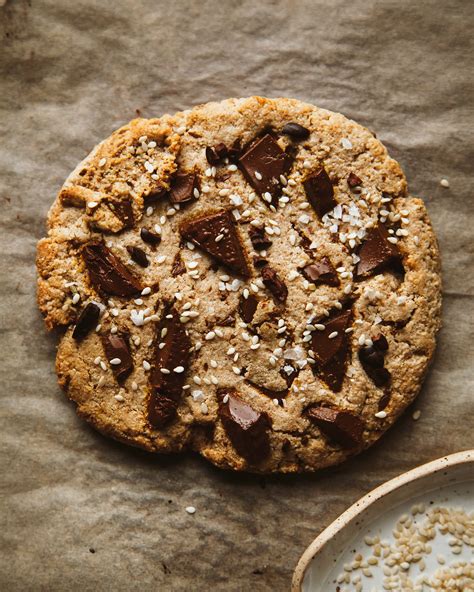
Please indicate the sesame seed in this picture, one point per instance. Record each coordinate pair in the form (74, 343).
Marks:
(210, 336)
(235, 370)
(218, 238)
(258, 176)
(191, 510)
(92, 204)
(134, 386)
(102, 162)
(76, 298)
(161, 259)
(381, 414)
(197, 380)
(146, 291)
(346, 143)
(146, 365)
(149, 211)
(204, 408)
(119, 398)
(165, 371)
(444, 183)
(416, 415)
(267, 197)
(333, 335)
(232, 168)
(115, 361)
(225, 399)
(103, 366)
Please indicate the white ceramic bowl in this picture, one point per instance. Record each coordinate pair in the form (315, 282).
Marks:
(447, 481)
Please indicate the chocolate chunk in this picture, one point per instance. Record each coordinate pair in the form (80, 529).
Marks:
(274, 284)
(320, 192)
(258, 238)
(377, 253)
(150, 237)
(295, 131)
(87, 321)
(289, 373)
(107, 273)
(234, 151)
(343, 427)
(259, 262)
(263, 163)
(353, 180)
(153, 198)
(117, 347)
(211, 156)
(321, 272)
(372, 360)
(217, 235)
(139, 256)
(247, 428)
(174, 355)
(161, 409)
(123, 210)
(247, 307)
(330, 353)
(182, 187)
(178, 267)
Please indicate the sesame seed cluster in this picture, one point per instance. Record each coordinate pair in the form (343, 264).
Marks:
(248, 279)
(410, 548)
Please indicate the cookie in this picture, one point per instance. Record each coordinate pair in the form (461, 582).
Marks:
(248, 279)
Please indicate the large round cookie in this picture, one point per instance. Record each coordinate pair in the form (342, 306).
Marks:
(248, 279)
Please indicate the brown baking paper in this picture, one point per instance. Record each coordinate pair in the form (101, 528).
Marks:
(81, 512)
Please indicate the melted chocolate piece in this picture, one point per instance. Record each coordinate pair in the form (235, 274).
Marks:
(211, 156)
(139, 256)
(247, 307)
(259, 262)
(343, 427)
(227, 249)
(123, 209)
(178, 267)
(354, 181)
(247, 429)
(269, 161)
(331, 354)
(117, 346)
(295, 131)
(87, 321)
(321, 272)
(150, 237)
(274, 284)
(258, 238)
(377, 253)
(320, 192)
(174, 354)
(216, 155)
(182, 188)
(107, 273)
(372, 359)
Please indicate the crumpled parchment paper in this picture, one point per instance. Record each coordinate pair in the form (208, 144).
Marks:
(80, 512)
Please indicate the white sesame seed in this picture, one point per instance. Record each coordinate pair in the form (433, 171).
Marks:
(392, 239)
(161, 259)
(218, 238)
(416, 415)
(102, 162)
(115, 361)
(119, 398)
(444, 183)
(267, 197)
(165, 371)
(258, 176)
(333, 335)
(92, 204)
(103, 366)
(191, 510)
(76, 298)
(235, 370)
(146, 365)
(225, 399)
(381, 414)
(346, 143)
(134, 386)
(210, 335)
(232, 168)
(204, 408)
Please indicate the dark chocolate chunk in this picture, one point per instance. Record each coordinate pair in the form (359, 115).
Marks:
(217, 235)
(87, 321)
(150, 237)
(211, 156)
(153, 198)
(377, 253)
(330, 353)
(161, 409)
(289, 373)
(107, 273)
(259, 262)
(295, 131)
(139, 256)
(247, 307)
(247, 428)
(321, 272)
(372, 360)
(123, 209)
(354, 181)
(178, 267)
(174, 355)
(258, 238)
(343, 427)
(263, 163)
(182, 187)
(234, 151)
(117, 347)
(274, 284)
(320, 192)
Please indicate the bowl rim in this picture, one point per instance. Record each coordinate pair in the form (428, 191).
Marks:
(430, 468)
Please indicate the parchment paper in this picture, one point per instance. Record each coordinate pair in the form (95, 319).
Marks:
(72, 72)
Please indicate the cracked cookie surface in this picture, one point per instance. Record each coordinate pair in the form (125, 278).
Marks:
(248, 279)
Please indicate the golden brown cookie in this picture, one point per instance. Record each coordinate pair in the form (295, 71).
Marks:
(248, 279)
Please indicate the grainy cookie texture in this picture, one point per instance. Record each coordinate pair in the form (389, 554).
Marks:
(248, 279)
